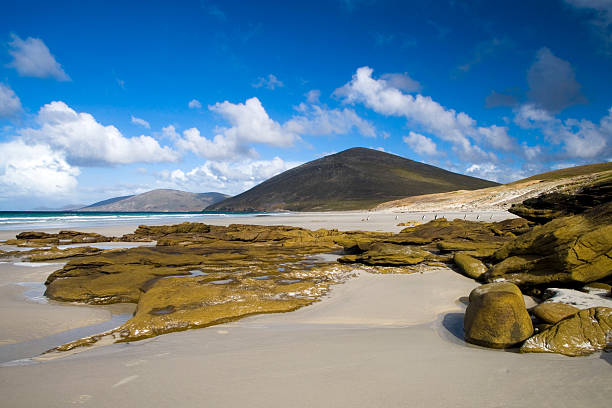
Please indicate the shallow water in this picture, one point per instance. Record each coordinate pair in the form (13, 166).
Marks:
(22, 353)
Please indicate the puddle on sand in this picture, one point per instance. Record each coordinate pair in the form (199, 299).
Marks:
(22, 353)
(108, 245)
(35, 291)
(221, 281)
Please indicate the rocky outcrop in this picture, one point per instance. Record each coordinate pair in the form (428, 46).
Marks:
(547, 207)
(568, 250)
(552, 312)
(581, 334)
(496, 316)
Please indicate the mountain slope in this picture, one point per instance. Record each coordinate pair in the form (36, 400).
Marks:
(357, 178)
(502, 197)
(162, 200)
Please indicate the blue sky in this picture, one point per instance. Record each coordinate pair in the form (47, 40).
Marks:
(100, 99)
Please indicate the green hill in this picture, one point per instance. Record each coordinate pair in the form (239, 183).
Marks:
(354, 179)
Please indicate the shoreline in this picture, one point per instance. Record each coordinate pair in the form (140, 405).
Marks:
(375, 340)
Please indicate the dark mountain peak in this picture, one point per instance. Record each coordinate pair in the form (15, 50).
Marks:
(353, 179)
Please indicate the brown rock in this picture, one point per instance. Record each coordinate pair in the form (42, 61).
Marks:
(581, 334)
(552, 313)
(496, 316)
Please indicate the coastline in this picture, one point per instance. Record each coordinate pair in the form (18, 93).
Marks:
(376, 340)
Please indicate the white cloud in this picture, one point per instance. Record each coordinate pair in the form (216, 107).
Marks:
(250, 124)
(403, 82)
(88, 142)
(34, 170)
(194, 104)
(140, 122)
(447, 124)
(529, 116)
(580, 138)
(421, 144)
(317, 121)
(552, 83)
(313, 96)
(31, 57)
(10, 105)
(226, 176)
(270, 82)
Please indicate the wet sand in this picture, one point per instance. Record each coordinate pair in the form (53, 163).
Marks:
(377, 340)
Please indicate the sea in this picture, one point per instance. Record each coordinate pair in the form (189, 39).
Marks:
(32, 220)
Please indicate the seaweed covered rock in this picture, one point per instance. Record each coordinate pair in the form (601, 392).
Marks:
(553, 312)
(547, 207)
(383, 253)
(496, 316)
(568, 250)
(581, 334)
(470, 266)
(42, 239)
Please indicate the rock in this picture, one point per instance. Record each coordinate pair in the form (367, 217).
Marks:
(581, 334)
(37, 255)
(552, 312)
(568, 250)
(547, 207)
(496, 316)
(382, 253)
(470, 266)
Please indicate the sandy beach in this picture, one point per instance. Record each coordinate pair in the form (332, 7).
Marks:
(376, 340)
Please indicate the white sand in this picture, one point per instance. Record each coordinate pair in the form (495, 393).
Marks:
(375, 341)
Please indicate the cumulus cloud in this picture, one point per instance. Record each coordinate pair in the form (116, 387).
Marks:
(231, 177)
(249, 124)
(87, 142)
(313, 96)
(318, 121)
(194, 104)
(421, 144)
(34, 170)
(580, 139)
(455, 127)
(403, 82)
(270, 82)
(140, 122)
(552, 83)
(32, 58)
(10, 105)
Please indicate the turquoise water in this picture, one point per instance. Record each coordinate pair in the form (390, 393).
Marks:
(32, 220)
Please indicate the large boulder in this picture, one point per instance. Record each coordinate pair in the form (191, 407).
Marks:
(496, 316)
(553, 312)
(583, 333)
(568, 250)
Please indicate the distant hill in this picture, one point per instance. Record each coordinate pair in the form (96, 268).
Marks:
(585, 170)
(354, 179)
(162, 200)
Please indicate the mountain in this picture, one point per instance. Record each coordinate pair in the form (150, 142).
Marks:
(354, 179)
(162, 200)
